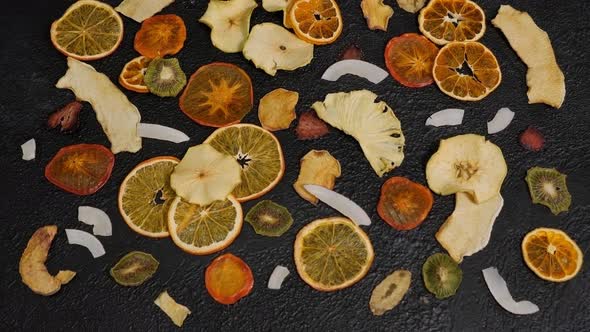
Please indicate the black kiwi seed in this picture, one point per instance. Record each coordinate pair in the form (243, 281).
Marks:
(269, 219)
(164, 77)
(547, 186)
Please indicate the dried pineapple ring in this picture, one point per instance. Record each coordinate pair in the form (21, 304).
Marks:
(229, 22)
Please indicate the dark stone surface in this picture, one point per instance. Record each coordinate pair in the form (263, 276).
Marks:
(30, 67)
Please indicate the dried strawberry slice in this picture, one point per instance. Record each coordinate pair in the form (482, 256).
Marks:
(532, 139)
(66, 117)
(310, 126)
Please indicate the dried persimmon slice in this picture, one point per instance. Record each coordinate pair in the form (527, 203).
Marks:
(404, 204)
(160, 35)
(409, 59)
(228, 279)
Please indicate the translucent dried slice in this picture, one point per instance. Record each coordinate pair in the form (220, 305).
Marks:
(160, 35)
(404, 204)
(269, 218)
(547, 186)
(442, 275)
(276, 109)
(229, 22)
(317, 167)
(444, 21)
(134, 268)
(228, 279)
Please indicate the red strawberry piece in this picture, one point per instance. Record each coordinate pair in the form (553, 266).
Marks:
(310, 126)
(532, 139)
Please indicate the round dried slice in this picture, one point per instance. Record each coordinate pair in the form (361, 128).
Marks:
(145, 196)
(466, 71)
(444, 21)
(81, 169)
(203, 230)
(269, 218)
(315, 21)
(259, 154)
(228, 279)
(131, 77)
(88, 30)
(134, 268)
(217, 95)
(409, 59)
(442, 275)
(404, 204)
(160, 35)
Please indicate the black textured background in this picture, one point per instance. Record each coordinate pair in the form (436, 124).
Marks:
(30, 67)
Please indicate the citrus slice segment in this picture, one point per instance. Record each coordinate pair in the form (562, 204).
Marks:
(131, 77)
(332, 253)
(88, 30)
(204, 229)
(160, 35)
(217, 95)
(81, 169)
(466, 71)
(409, 59)
(228, 279)
(315, 21)
(404, 204)
(259, 154)
(444, 21)
(145, 196)
(552, 254)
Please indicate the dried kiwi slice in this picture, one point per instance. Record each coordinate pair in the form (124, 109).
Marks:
(134, 268)
(269, 218)
(547, 186)
(164, 77)
(442, 275)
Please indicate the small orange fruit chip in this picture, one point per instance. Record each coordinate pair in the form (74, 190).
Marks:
(466, 71)
(552, 254)
(315, 21)
(160, 35)
(444, 21)
(131, 77)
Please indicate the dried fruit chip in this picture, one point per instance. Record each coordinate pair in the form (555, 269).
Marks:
(310, 126)
(404, 204)
(176, 312)
(32, 264)
(131, 77)
(269, 218)
(352, 52)
(164, 77)
(228, 279)
(317, 167)
(548, 187)
(276, 110)
(81, 169)
(160, 35)
(442, 275)
(229, 22)
(409, 59)
(377, 14)
(66, 117)
(390, 292)
(444, 21)
(411, 6)
(315, 21)
(532, 139)
(274, 5)
(139, 10)
(134, 268)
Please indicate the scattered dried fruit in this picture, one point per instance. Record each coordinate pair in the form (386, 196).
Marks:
(269, 218)
(372, 124)
(164, 77)
(548, 187)
(134, 269)
(500, 292)
(176, 312)
(229, 22)
(446, 117)
(163, 133)
(87, 240)
(277, 277)
(545, 79)
(81, 169)
(410, 58)
(376, 13)
(315, 21)
(411, 6)
(444, 21)
(228, 279)
(355, 67)
(404, 204)
(131, 77)
(66, 117)
(500, 121)
(532, 139)
(317, 167)
(271, 47)
(552, 254)
(276, 109)
(310, 126)
(139, 10)
(29, 148)
(352, 52)
(442, 276)
(97, 218)
(32, 268)
(390, 292)
(160, 35)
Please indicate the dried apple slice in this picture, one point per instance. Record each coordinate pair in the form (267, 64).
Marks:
(276, 110)
(139, 10)
(377, 14)
(317, 167)
(229, 22)
(372, 124)
(271, 47)
(467, 163)
(272, 6)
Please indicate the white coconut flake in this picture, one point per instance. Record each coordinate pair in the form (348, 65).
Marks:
(97, 218)
(87, 240)
(277, 276)
(500, 291)
(156, 131)
(500, 121)
(29, 148)
(355, 67)
(340, 203)
(446, 117)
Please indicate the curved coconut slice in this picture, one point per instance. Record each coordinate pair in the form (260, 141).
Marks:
(340, 203)
(372, 124)
(500, 121)
(447, 117)
(97, 218)
(271, 47)
(87, 240)
(229, 22)
(277, 277)
(355, 67)
(499, 289)
(467, 163)
(272, 6)
(163, 133)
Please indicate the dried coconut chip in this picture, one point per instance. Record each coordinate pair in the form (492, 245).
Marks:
(377, 14)
(340, 203)
(500, 121)
(277, 277)
(355, 67)
(87, 240)
(139, 10)
(310, 126)
(276, 110)
(97, 218)
(499, 289)
(176, 312)
(29, 147)
(163, 133)
(446, 117)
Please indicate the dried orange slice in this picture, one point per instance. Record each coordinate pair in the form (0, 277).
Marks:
(466, 71)
(131, 77)
(315, 21)
(160, 35)
(217, 95)
(409, 59)
(88, 30)
(444, 21)
(552, 254)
